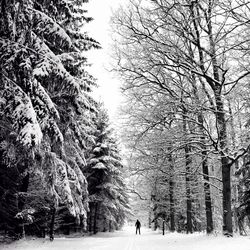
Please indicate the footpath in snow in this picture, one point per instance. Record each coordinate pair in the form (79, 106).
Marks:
(127, 240)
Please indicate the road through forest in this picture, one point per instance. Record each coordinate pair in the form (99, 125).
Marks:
(127, 240)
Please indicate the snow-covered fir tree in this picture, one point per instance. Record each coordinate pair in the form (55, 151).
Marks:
(44, 96)
(107, 190)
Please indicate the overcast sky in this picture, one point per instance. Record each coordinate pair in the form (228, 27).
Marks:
(108, 91)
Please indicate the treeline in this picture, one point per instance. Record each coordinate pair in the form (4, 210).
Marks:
(60, 168)
(185, 71)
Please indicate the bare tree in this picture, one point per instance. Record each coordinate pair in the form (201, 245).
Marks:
(162, 40)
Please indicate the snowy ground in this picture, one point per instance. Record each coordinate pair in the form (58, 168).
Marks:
(127, 240)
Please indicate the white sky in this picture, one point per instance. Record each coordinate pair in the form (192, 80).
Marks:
(99, 29)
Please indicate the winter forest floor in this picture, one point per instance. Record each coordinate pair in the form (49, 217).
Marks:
(127, 240)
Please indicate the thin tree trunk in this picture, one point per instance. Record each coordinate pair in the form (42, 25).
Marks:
(21, 202)
(189, 228)
(188, 192)
(172, 208)
(52, 223)
(149, 219)
(208, 200)
(95, 218)
(110, 226)
(90, 220)
(155, 221)
(171, 195)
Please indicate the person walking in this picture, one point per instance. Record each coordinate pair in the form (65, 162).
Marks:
(138, 227)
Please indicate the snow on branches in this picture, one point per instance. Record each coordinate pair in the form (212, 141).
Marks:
(20, 110)
(43, 91)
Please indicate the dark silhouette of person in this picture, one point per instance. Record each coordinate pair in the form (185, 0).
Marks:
(138, 227)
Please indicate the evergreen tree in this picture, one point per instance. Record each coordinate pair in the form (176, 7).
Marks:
(107, 191)
(44, 95)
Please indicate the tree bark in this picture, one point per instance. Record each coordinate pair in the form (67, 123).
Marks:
(149, 219)
(216, 85)
(208, 200)
(189, 228)
(188, 192)
(95, 218)
(90, 220)
(52, 223)
(222, 131)
(172, 208)
(155, 221)
(171, 195)
(226, 192)
(235, 168)
(226, 167)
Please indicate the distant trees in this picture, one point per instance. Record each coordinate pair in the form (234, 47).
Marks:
(182, 66)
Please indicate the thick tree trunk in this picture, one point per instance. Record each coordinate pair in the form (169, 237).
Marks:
(226, 167)
(222, 131)
(226, 193)
(216, 85)
(235, 168)
(205, 172)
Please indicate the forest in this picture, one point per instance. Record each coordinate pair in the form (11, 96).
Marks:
(60, 165)
(184, 124)
(185, 72)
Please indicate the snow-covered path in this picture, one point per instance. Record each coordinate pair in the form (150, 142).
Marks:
(127, 240)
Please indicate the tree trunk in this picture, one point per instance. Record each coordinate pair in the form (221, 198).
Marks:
(226, 192)
(172, 208)
(208, 200)
(171, 194)
(226, 167)
(188, 192)
(155, 220)
(110, 226)
(95, 218)
(89, 222)
(21, 202)
(235, 168)
(222, 132)
(189, 228)
(149, 219)
(52, 223)
(205, 172)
